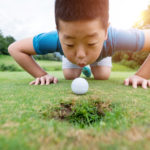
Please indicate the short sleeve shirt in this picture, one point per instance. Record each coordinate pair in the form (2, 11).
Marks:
(118, 40)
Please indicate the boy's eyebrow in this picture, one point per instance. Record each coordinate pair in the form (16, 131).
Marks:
(92, 35)
(68, 37)
(89, 35)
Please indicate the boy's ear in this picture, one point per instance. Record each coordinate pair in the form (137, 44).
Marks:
(106, 31)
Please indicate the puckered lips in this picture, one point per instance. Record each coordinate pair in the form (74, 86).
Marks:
(81, 65)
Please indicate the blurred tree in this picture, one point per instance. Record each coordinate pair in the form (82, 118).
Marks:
(144, 20)
(4, 43)
(9, 39)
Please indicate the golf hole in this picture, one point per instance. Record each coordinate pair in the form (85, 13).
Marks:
(82, 113)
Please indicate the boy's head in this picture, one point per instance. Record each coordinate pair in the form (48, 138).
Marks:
(76, 10)
(82, 27)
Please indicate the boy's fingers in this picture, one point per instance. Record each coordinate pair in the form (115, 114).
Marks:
(51, 79)
(148, 83)
(33, 82)
(37, 81)
(134, 83)
(126, 82)
(55, 80)
(42, 80)
(47, 81)
(136, 80)
(144, 84)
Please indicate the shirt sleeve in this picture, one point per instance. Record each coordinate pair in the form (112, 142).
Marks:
(47, 43)
(126, 40)
(122, 40)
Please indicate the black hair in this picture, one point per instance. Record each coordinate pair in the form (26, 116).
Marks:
(75, 10)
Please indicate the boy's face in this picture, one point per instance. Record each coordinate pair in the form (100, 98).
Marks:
(82, 41)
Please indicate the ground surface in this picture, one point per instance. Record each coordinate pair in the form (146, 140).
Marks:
(27, 122)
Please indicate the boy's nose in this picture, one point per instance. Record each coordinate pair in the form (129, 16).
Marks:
(80, 53)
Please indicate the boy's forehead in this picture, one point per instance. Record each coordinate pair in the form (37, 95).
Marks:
(88, 28)
(79, 23)
(66, 36)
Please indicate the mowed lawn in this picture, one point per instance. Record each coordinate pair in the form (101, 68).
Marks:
(27, 122)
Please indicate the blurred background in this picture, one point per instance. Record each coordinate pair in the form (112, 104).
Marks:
(23, 18)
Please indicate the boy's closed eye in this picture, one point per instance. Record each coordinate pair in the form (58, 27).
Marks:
(69, 45)
(89, 44)
(92, 44)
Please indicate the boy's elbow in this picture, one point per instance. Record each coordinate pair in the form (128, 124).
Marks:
(11, 48)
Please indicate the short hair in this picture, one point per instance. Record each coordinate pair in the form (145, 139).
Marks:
(75, 10)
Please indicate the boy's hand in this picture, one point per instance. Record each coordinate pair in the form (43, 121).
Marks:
(137, 80)
(44, 80)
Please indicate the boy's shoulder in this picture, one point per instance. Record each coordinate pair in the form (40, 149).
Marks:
(122, 40)
(48, 42)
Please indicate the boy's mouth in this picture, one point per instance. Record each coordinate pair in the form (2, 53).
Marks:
(82, 65)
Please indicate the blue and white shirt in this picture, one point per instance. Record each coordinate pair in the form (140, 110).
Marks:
(118, 40)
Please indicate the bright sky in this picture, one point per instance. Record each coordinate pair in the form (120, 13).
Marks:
(123, 13)
(24, 18)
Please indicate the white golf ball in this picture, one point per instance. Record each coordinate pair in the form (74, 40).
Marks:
(79, 86)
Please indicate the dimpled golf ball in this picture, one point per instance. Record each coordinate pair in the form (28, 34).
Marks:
(79, 86)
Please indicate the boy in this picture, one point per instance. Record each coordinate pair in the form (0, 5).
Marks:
(84, 37)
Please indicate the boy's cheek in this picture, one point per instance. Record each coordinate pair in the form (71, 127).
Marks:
(70, 56)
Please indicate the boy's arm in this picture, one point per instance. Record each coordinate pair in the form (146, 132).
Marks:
(22, 52)
(143, 74)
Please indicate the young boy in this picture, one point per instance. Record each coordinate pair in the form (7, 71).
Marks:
(85, 38)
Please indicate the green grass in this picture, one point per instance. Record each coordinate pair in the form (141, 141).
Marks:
(22, 124)
(53, 65)
(47, 65)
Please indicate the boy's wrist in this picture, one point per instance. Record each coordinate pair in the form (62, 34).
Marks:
(39, 75)
(141, 75)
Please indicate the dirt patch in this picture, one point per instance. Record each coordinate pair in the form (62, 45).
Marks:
(82, 112)
(65, 111)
